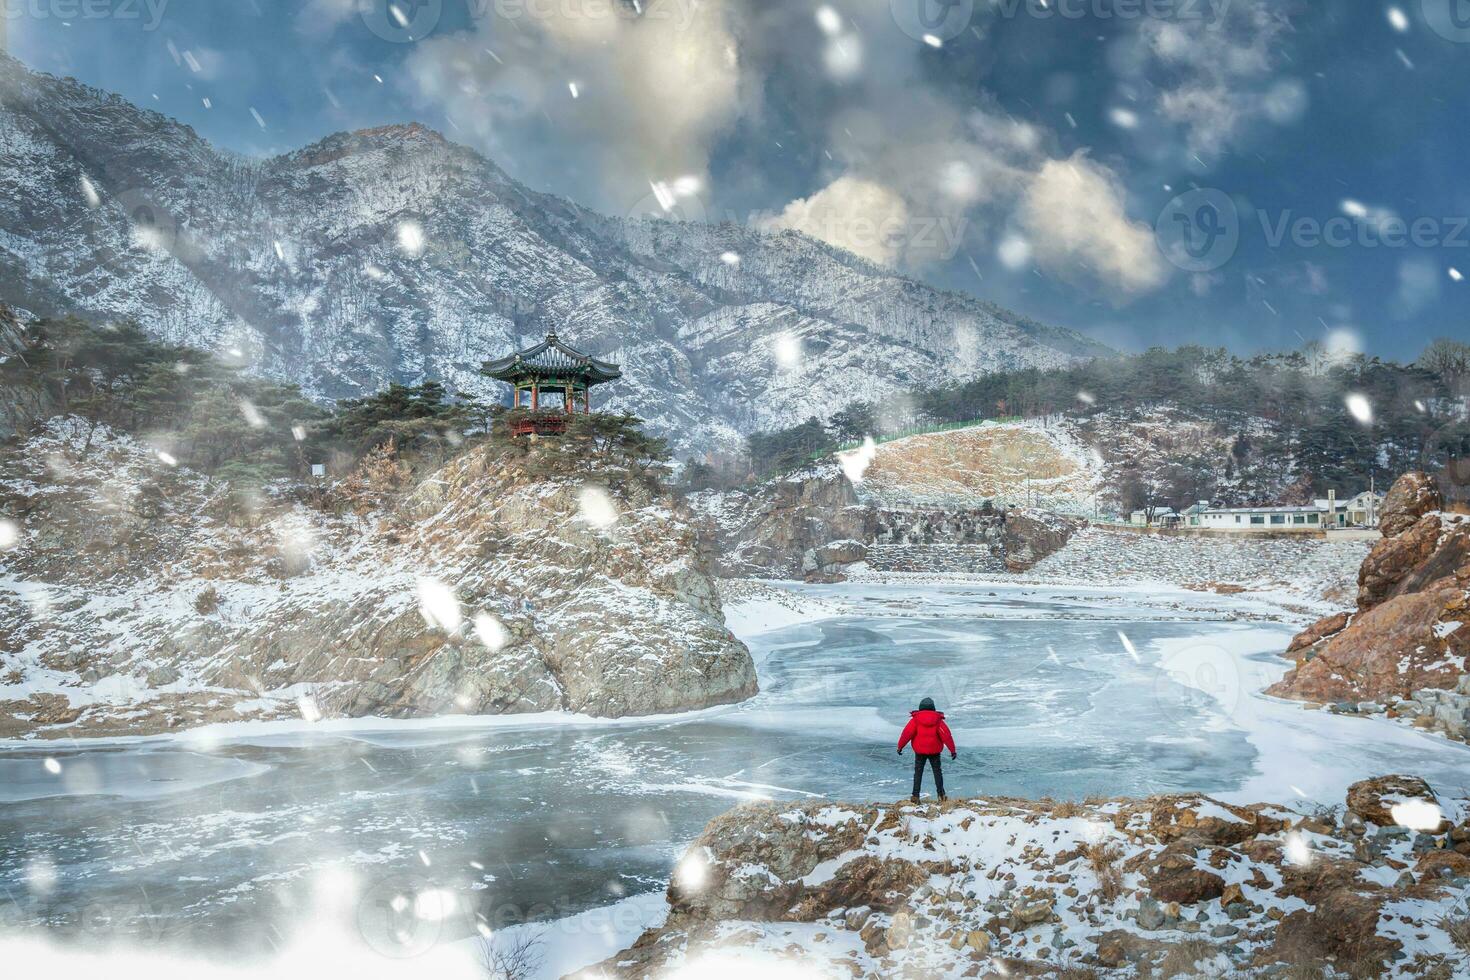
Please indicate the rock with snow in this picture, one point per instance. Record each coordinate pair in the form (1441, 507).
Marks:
(1409, 498)
(1407, 635)
(137, 602)
(1011, 887)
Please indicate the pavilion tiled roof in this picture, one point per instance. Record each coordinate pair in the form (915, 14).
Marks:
(552, 360)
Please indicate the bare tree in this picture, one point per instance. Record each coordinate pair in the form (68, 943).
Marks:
(516, 957)
(1447, 359)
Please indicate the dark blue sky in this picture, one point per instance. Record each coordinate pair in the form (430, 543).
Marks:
(1023, 156)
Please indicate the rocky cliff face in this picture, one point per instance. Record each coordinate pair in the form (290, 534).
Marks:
(792, 526)
(1166, 886)
(21, 402)
(394, 255)
(1410, 630)
(138, 598)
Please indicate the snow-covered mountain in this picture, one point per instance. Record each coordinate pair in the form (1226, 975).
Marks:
(393, 254)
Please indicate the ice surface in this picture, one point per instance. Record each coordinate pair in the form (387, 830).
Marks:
(546, 817)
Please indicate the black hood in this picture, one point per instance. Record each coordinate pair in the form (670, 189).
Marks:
(927, 704)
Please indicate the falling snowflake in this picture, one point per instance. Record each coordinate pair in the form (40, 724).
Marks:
(1298, 850)
(90, 193)
(438, 605)
(411, 238)
(9, 535)
(1359, 407)
(787, 351)
(167, 458)
(1456, 275)
(597, 508)
(1398, 20)
(1128, 645)
(829, 20)
(855, 462)
(52, 766)
(692, 873)
(1420, 815)
(1087, 398)
(252, 415)
(309, 709)
(730, 258)
(490, 632)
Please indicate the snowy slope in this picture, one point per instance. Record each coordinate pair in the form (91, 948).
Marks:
(297, 265)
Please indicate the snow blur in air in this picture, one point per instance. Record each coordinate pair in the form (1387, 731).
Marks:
(1298, 850)
(786, 349)
(411, 238)
(252, 415)
(90, 193)
(1360, 408)
(52, 766)
(596, 508)
(1420, 815)
(855, 462)
(490, 632)
(9, 535)
(438, 605)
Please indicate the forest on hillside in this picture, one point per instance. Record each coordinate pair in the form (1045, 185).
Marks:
(194, 409)
(1308, 419)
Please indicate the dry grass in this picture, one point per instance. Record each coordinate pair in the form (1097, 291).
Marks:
(1304, 970)
(1182, 957)
(1457, 927)
(1066, 809)
(1103, 859)
(1431, 966)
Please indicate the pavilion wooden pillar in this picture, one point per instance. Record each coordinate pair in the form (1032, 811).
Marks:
(535, 397)
(569, 403)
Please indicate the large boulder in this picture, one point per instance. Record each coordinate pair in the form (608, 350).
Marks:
(1391, 801)
(484, 589)
(1031, 535)
(1413, 601)
(1387, 653)
(1411, 497)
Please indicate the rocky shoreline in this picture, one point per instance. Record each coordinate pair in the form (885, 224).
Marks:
(1405, 650)
(1166, 886)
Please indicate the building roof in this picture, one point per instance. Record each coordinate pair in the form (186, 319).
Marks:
(552, 360)
(1265, 510)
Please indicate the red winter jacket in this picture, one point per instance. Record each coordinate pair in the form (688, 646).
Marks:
(928, 732)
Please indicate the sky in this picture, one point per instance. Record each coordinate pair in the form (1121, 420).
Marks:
(1243, 173)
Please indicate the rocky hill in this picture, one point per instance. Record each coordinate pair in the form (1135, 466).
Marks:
(393, 254)
(141, 597)
(1168, 886)
(1407, 645)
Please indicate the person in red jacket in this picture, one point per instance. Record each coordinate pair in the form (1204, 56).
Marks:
(927, 730)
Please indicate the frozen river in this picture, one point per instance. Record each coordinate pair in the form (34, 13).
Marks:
(231, 843)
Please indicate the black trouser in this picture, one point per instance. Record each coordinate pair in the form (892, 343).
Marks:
(933, 761)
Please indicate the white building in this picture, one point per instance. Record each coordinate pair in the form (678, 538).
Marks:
(1260, 519)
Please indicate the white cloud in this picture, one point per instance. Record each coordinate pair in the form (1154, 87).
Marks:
(1073, 215)
(862, 216)
(655, 90)
(1221, 73)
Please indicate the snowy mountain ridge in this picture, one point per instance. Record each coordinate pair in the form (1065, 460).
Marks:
(392, 254)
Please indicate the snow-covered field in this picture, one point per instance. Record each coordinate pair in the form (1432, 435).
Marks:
(243, 845)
